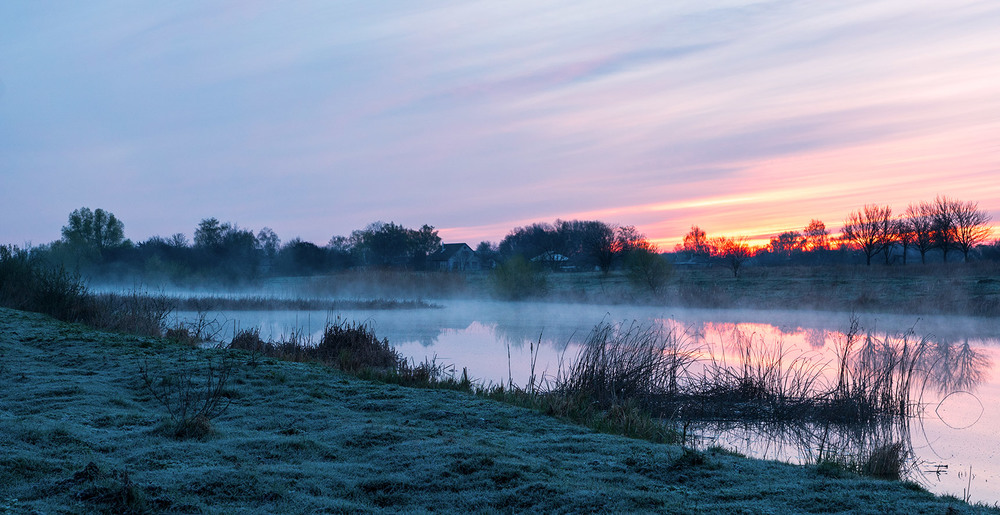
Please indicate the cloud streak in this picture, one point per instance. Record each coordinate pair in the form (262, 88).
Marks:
(475, 117)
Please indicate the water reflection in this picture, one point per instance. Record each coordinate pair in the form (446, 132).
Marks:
(957, 366)
(960, 396)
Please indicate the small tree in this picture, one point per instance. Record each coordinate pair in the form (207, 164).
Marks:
(920, 222)
(971, 227)
(645, 268)
(904, 235)
(942, 211)
(817, 237)
(787, 244)
(517, 279)
(695, 242)
(734, 252)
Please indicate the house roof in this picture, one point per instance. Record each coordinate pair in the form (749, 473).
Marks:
(447, 251)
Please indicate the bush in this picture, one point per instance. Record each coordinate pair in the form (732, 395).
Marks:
(352, 347)
(516, 279)
(648, 270)
(28, 284)
(191, 401)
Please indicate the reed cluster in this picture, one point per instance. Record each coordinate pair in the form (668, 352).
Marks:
(663, 373)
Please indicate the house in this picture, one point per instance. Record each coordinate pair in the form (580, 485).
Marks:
(552, 260)
(455, 257)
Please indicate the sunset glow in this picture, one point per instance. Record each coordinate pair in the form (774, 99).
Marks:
(316, 118)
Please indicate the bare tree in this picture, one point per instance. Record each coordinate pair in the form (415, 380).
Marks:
(943, 223)
(734, 252)
(868, 229)
(971, 226)
(921, 225)
(904, 234)
(788, 243)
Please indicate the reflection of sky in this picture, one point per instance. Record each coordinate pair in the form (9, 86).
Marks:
(318, 117)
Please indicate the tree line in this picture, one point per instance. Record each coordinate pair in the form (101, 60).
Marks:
(941, 226)
(94, 242)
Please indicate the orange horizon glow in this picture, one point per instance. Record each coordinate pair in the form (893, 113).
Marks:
(769, 198)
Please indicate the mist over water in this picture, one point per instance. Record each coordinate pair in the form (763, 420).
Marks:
(494, 342)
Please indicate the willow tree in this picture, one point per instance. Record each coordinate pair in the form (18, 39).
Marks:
(93, 231)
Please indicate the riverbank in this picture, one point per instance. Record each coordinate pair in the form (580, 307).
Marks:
(83, 432)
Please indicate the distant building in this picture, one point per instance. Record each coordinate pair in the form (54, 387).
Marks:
(456, 257)
(553, 260)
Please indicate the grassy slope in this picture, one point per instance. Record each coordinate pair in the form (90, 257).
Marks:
(303, 438)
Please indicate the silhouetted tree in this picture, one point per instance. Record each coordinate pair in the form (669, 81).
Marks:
(904, 235)
(268, 242)
(787, 244)
(817, 237)
(208, 234)
(388, 244)
(695, 242)
(971, 226)
(225, 249)
(93, 232)
(920, 222)
(868, 229)
(488, 252)
(733, 252)
(530, 241)
(942, 215)
(298, 257)
(340, 252)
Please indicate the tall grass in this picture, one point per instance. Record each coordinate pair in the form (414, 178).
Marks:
(29, 284)
(871, 377)
(349, 346)
(636, 373)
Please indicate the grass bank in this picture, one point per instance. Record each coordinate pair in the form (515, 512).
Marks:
(83, 430)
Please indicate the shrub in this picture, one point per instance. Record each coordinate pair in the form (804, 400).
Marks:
(190, 401)
(354, 346)
(517, 279)
(647, 270)
(28, 284)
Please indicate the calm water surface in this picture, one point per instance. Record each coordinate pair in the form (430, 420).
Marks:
(959, 432)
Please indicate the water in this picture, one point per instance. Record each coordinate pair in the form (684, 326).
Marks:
(494, 342)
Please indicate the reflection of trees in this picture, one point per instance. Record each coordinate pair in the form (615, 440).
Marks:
(855, 446)
(816, 338)
(956, 366)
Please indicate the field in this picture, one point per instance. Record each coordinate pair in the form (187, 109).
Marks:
(956, 289)
(84, 429)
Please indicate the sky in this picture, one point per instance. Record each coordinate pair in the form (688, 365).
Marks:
(315, 118)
